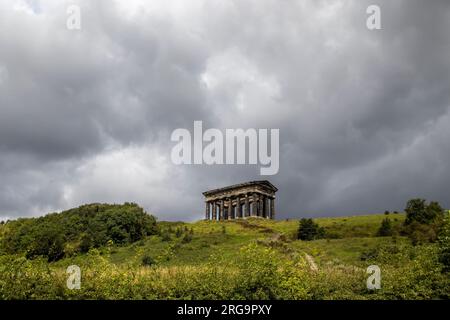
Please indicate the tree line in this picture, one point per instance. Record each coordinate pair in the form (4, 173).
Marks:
(424, 223)
(77, 230)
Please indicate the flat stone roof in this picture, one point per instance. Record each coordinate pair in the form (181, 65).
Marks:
(264, 183)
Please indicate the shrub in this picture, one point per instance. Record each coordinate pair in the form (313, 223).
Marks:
(444, 244)
(309, 230)
(86, 242)
(148, 260)
(178, 232)
(370, 254)
(418, 211)
(421, 233)
(187, 238)
(258, 276)
(385, 228)
(423, 220)
(165, 236)
(255, 273)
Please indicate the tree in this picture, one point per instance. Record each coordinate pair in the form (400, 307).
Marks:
(385, 228)
(309, 230)
(434, 211)
(417, 210)
(77, 230)
(48, 242)
(423, 220)
(86, 242)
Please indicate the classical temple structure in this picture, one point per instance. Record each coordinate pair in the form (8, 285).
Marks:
(249, 199)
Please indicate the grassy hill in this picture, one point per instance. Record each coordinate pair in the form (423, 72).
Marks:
(352, 237)
(253, 258)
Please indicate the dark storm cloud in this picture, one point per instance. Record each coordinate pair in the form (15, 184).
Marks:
(87, 115)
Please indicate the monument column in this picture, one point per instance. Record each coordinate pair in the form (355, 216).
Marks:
(266, 207)
(272, 208)
(261, 206)
(213, 210)
(221, 210)
(238, 207)
(247, 206)
(255, 205)
(230, 208)
(207, 210)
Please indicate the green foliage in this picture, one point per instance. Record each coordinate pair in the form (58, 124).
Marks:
(309, 230)
(86, 242)
(369, 255)
(423, 220)
(179, 232)
(444, 243)
(420, 233)
(418, 211)
(165, 236)
(256, 272)
(79, 229)
(187, 238)
(385, 228)
(148, 260)
(255, 259)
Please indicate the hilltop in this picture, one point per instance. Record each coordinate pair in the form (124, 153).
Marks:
(347, 239)
(253, 258)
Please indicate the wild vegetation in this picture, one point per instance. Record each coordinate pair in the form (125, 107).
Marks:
(59, 235)
(244, 259)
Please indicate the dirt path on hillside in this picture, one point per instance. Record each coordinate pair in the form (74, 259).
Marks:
(246, 224)
(312, 264)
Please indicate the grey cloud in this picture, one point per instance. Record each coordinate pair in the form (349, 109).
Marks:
(362, 114)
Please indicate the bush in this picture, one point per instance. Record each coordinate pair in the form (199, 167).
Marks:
(309, 230)
(418, 211)
(423, 220)
(444, 244)
(178, 232)
(148, 260)
(165, 236)
(370, 254)
(420, 233)
(385, 228)
(86, 242)
(255, 273)
(187, 238)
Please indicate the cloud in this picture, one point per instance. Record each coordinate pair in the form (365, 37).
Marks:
(86, 116)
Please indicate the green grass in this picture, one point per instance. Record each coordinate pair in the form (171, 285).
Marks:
(351, 237)
(243, 259)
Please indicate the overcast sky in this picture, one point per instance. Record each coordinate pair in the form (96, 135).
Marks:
(86, 115)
